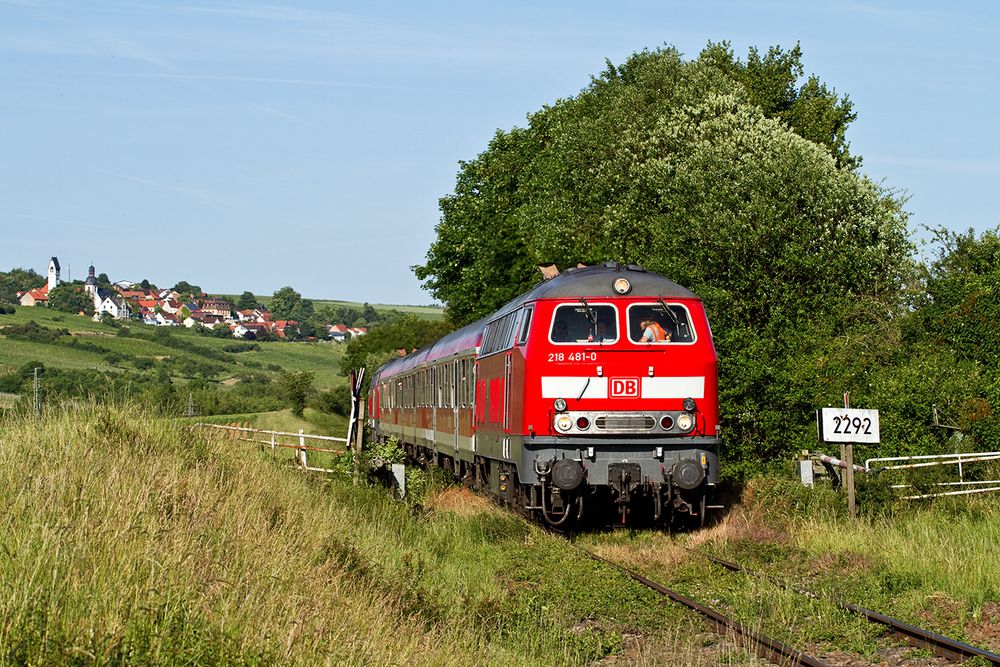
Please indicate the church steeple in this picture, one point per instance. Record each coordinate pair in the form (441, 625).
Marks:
(53, 273)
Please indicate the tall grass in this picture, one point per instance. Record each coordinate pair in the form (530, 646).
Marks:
(131, 540)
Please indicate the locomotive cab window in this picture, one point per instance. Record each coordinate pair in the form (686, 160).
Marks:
(659, 323)
(583, 322)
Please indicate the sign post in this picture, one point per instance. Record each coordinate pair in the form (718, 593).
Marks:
(847, 427)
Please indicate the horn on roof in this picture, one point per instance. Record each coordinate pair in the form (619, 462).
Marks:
(549, 271)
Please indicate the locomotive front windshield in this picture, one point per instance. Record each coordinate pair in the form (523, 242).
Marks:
(672, 319)
(584, 323)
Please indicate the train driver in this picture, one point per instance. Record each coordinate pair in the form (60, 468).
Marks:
(653, 332)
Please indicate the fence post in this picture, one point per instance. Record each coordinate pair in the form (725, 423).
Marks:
(302, 448)
(272, 444)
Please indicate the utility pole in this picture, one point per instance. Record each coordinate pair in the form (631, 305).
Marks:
(38, 396)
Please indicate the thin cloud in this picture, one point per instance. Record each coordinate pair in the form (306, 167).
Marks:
(956, 165)
(205, 197)
(262, 12)
(247, 79)
(57, 221)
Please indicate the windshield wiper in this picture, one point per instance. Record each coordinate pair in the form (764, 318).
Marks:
(677, 324)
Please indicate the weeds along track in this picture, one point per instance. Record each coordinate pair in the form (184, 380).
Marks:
(765, 647)
(945, 647)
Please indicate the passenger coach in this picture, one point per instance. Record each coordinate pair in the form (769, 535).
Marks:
(593, 393)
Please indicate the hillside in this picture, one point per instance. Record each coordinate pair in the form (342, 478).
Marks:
(107, 350)
(427, 312)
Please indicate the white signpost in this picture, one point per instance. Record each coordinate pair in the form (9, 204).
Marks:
(847, 427)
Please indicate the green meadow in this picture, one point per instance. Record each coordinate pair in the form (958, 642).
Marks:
(91, 344)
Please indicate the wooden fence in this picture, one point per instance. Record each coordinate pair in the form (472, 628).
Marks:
(286, 440)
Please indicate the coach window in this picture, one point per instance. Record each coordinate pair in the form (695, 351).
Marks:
(672, 318)
(580, 322)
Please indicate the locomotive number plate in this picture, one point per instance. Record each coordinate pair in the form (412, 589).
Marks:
(571, 357)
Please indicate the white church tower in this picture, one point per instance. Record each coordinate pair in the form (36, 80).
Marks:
(53, 273)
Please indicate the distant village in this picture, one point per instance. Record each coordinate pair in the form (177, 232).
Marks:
(125, 300)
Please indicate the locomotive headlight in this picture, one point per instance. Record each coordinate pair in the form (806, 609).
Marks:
(622, 286)
(689, 404)
(559, 404)
(564, 423)
(685, 422)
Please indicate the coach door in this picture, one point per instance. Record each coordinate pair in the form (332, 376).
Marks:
(455, 395)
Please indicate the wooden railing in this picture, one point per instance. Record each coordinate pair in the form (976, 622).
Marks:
(280, 439)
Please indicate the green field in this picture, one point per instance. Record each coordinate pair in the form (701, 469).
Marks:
(321, 358)
(427, 312)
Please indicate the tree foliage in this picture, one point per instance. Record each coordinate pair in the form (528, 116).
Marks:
(297, 386)
(727, 177)
(287, 304)
(382, 342)
(247, 301)
(71, 298)
(18, 280)
(184, 288)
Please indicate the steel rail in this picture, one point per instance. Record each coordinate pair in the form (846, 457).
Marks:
(943, 646)
(767, 648)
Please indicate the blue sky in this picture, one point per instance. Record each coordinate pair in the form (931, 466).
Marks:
(247, 145)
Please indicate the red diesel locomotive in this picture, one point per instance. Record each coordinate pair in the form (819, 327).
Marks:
(593, 393)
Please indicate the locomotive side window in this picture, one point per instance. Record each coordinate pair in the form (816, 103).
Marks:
(499, 335)
(583, 322)
(659, 323)
(522, 337)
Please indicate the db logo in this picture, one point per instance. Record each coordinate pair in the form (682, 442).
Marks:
(624, 387)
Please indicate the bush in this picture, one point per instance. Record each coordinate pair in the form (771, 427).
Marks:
(336, 401)
(34, 332)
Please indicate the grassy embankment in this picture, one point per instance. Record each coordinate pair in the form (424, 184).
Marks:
(932, 564)
(134, 540)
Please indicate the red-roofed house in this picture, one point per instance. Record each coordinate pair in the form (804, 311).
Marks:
(33, 297)
(286, 329)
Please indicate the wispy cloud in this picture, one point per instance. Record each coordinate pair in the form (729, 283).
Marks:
(260, 11)
(56, 221)
(209, 198)
(246, 79)
(955, 165)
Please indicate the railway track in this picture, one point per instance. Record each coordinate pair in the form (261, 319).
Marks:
(765, 647)
(782, 654)
(945, 647)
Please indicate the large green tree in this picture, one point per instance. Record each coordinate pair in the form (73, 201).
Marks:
(287, 304)
(18, 280)
(712, 172)
(71, 298)
(384, 341)
(247, 301)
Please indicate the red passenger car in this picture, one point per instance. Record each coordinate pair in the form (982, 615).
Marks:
(594, 391)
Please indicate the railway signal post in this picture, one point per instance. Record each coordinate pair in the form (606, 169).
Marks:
(847, 427)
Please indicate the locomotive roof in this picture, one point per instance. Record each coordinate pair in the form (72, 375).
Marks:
(587, 281)
(598, 281)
